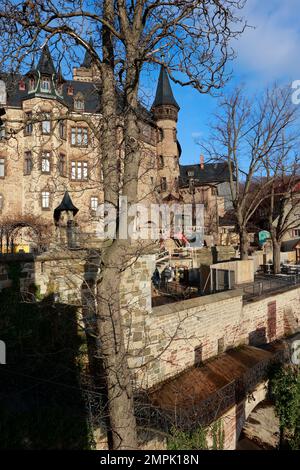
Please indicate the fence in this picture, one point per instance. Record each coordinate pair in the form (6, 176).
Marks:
(269, 284)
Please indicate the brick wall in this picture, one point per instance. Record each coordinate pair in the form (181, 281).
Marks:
(167, 339)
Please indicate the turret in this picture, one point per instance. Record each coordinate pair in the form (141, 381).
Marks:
(87, 72)
(164, 105)
(165, 110)
(43, 79)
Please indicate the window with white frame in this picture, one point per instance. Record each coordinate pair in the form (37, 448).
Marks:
(45, 84)
(45, 199)
(79, 170)
(2, 167)
(46, 124)
(46, 161)
(79, 102)
(79, 136)
(297, 232)
(94, 203)
(31, 84)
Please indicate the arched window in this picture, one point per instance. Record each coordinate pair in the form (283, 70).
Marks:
(79, 102)
(1, 201)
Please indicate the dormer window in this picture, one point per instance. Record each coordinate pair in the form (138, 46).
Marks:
(79, 102)
(22, 86)
(190, 173)
(2, 92)
(45, 84)
(31, 84)
(70, 90)
(60, 89)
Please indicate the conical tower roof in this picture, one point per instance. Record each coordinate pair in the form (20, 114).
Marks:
(65, 205)
(45, 65)
(87, 61)
(164, 94)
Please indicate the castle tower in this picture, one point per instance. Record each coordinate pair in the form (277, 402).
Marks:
(87, 72)
(165, 110)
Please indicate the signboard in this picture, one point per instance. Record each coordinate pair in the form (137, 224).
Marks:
(263, 236)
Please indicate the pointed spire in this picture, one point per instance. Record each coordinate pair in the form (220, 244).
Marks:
(66, 205)
(164, 94)
(45, 64)
(87, 61)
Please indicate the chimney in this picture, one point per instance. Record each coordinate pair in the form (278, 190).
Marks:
(201, 162)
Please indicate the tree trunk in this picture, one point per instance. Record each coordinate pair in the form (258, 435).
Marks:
(111, 347)
(244, 243)
(276, 256)
(114, 354)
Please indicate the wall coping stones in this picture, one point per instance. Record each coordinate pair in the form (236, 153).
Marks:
(197, 302)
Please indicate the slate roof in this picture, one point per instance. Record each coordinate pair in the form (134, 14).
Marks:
(65, 205)
(211, 173)
(289, 245)
(45, 64)
(164, 93)
(87, 61)
(90, 91)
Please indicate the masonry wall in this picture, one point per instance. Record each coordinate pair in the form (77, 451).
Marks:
(176, 336)
(165, 340)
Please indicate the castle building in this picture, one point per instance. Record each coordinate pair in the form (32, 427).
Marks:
(47, 147)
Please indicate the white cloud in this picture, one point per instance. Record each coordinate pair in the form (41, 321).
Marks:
(271, 50)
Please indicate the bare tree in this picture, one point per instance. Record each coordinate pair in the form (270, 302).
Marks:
(246, 134)
(281, 206)
(191, 38)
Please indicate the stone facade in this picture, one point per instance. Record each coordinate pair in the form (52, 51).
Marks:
(49, 144)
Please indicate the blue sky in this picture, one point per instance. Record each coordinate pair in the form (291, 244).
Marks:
(268, 53)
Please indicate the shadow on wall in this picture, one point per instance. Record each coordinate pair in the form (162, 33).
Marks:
(41, 399)
(258, 337)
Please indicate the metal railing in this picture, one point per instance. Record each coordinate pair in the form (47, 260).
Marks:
(270, 284)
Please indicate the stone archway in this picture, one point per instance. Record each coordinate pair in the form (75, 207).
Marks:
(234, 419)
(22, 235)
(261, 429)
